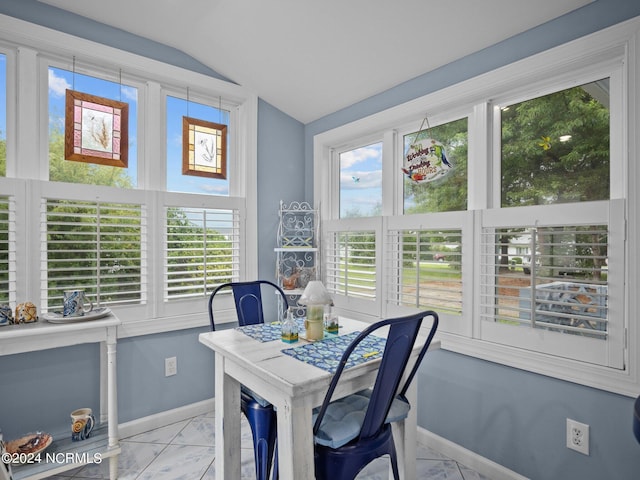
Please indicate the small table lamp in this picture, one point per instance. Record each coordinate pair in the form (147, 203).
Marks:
(315, 297)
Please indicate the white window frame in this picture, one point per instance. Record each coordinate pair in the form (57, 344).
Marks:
(30, 50)
(614, 53)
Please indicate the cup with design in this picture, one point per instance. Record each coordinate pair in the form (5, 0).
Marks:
(73, 303)
(82, 423)
(6, 315)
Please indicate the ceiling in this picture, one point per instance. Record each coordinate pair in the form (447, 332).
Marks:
(310, 59)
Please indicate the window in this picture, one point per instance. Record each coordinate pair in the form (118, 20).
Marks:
(177, 109)
(352, 266)
(352, 258)
(202, 250)
(564, 290)
(118, 232)
(525, 250)
(7, 247)
(3, 115)
(361, 181)
(62, 170)
(425, 269)
(555, 148)
(555, 164)
(448, 193)
(7, 203)
(95, 246)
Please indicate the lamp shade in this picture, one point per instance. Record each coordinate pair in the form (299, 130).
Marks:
(315, 294)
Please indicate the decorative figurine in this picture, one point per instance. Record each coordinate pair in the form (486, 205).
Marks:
(26, 313)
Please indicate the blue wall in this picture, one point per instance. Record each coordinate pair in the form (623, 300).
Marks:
(39, 390)
(280, 177)
(517, 419)
(512, 417)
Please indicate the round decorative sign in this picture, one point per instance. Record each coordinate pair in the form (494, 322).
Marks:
(426, 161)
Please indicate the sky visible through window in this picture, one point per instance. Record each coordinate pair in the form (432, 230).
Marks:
(361, 181)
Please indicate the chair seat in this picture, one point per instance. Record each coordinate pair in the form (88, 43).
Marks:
(343, 419)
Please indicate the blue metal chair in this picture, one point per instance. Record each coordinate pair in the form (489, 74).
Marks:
(636, 419)
(351, 432)
(260, 413)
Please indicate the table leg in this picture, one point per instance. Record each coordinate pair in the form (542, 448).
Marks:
(113, 467)
(112, 402)
(295, 441)
(405, 438)
(227, 422)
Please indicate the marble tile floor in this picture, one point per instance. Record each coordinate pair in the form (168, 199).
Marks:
(185, 451)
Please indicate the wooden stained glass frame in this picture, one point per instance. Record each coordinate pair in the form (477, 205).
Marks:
(96, 130)
(204, 148)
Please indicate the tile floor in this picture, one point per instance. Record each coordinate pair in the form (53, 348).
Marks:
(185, 451)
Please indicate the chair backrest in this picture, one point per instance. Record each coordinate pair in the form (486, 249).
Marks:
(401, 337)
(248, 300)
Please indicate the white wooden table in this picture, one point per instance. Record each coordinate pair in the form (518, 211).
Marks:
(41, 335)
(294, 388)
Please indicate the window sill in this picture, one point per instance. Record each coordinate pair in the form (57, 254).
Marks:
(622, 382)
(150, 326)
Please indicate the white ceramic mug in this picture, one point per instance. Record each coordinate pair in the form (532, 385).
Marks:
(82, 424)
(73, 303)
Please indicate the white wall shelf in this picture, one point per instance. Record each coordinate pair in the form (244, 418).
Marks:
(297, 250)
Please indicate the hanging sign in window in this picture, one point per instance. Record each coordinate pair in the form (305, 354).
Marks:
(426, 161)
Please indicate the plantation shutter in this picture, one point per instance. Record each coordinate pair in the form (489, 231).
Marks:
(423, 269)
(351, 264)
(202, 250)
(352, 258)
(7, 251)
(554, 286)
(564, 286)
(99, 247)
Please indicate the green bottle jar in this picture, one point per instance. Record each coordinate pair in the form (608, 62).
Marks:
(289, 328)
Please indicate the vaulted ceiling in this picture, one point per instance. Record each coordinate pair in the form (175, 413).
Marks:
(310, 59)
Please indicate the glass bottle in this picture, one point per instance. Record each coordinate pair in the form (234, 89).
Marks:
(330, 320)
(289, 327)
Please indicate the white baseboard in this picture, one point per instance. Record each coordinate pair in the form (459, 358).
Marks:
(466, 457)
(144, 424)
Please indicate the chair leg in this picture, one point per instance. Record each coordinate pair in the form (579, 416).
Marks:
(276, 474)
(393, 457)
(261, 457)
(263, 431)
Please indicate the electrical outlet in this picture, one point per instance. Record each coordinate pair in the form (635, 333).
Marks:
(578, 436)
(170, 366)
